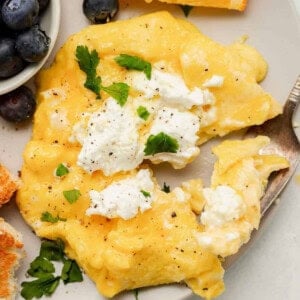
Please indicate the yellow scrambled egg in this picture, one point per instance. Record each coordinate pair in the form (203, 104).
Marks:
(166, 243)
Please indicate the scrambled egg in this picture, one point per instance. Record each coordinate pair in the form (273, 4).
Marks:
(166, 242)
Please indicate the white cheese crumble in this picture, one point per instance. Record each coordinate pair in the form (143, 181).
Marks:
(112, 140)
(223, 205)
(181, 196)
(214, 81)
(123, 198)
(183, 126)
(171, 89)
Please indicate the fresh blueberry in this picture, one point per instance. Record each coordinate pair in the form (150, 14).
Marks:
(43, 4)
(20, 14)
(18, 105)
(10, 62)
(100, 11)
(33, 44)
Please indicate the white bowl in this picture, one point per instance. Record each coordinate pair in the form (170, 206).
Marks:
(50, 24)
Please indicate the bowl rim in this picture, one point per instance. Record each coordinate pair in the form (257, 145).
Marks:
(12, 83)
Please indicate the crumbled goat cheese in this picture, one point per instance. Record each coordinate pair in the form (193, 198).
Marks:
(112, 140)
(123, 198)
(223, 205)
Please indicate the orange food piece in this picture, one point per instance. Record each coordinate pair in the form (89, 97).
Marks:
(10, 254)
(7, 185)
(229, 4)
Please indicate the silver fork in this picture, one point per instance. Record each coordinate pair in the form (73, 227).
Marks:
(283, 142)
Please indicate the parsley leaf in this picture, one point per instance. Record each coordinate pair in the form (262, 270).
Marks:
(136, 294)
(45, 285)
(40, 267)
(53, 250)
(134, 63)
(61, 170)
(166, 188)
(72, 195)
(88, 62)
(118, 91)
(146, 194)
(160, 143)
(71, 272)
(143, 112)
(48, 217)
(186, 9)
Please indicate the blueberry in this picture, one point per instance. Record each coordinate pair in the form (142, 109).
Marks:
(20, 14)
(10, 62)
(43, 4)
(18, 105)
(100, 11)
(33, 44)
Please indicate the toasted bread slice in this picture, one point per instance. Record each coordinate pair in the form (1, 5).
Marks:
(7, 185)
(229, 4)
(10, 255)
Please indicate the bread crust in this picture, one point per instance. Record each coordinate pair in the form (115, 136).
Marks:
(10, 240)
(7, 185)
(10, 254)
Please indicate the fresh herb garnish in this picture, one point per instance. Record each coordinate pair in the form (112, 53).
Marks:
(88, 62)
(40, 267)
(136, 294)
(160, 143)
(119, 91)
(166, 188)
(143, 112)
(43, 269)
(71, 272)
(45, 285)
(48, 217)
(145, 193)
(186, 9)
(134, 63)
(72, 195)
(61, 170)
(53, 250)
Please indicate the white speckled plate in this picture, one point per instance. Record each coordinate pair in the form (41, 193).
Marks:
(270, 270)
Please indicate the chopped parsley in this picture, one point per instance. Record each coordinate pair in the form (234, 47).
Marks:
(186, 9)
(146, 194)
(45, 285)
(143, 112)
(61, 170)
(72, 195)
(48, 217)
(71, 272)
(88, 62)
(52, 250)
(136, 294)
(166, 188)
(160, 143)
(134, 63)
(44, 270)
(119, 91)
(40, 266)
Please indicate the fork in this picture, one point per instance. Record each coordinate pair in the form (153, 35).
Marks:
(284, 142)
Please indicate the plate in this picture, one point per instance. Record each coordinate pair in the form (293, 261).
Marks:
(269, 270)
